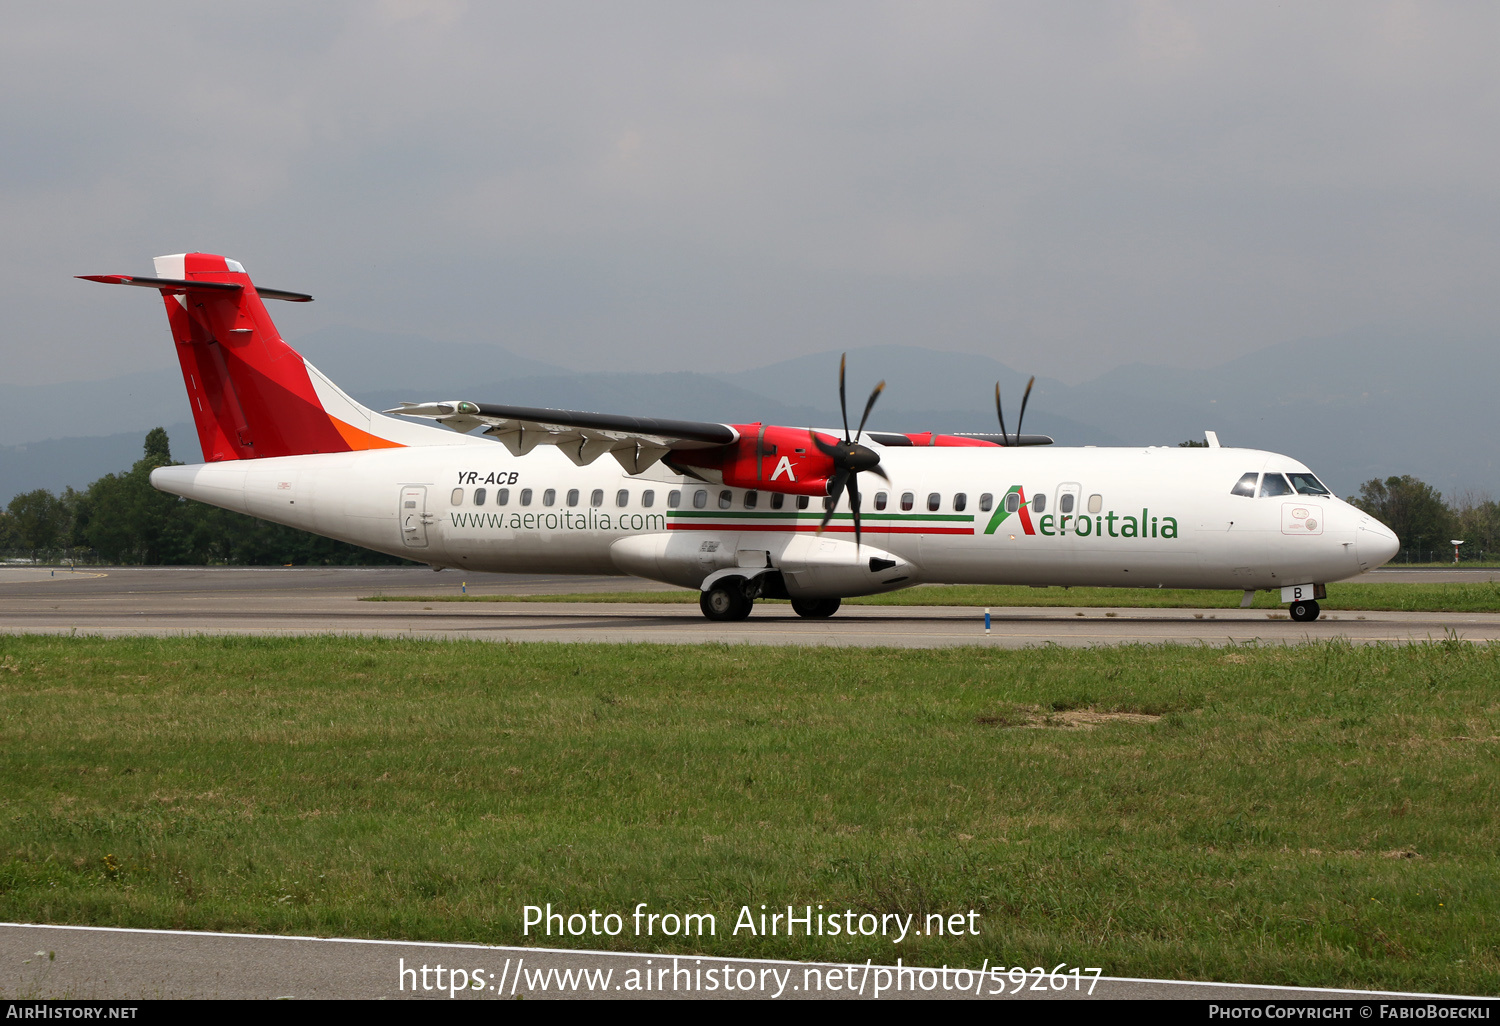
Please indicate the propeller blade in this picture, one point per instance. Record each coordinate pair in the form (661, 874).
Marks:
(868, 407)
(831, 451)
(1001, 414)
(843, 406)
(878, 472)
(1024, 398)
(834, 491)
(854, 507)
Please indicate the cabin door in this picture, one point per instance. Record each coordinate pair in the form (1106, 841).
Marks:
(414, 517)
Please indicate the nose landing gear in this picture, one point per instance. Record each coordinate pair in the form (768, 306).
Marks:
(1305, 611)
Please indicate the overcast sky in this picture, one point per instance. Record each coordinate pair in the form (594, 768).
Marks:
(1065, 186)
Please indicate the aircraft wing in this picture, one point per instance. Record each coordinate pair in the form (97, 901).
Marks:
(636, 442)
(998, 439)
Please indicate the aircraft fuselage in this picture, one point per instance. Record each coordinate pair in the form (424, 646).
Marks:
(1123, 517)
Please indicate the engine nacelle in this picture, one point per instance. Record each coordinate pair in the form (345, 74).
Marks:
(770, 458)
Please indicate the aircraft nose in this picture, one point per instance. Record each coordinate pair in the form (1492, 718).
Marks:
(1377, 544)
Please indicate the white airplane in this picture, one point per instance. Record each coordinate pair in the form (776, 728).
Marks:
(727, 508)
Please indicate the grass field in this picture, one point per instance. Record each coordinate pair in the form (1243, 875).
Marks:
(1318, 815)
(1479, 597)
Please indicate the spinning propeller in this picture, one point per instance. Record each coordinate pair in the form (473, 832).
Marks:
(850, 459)
(1001, 412)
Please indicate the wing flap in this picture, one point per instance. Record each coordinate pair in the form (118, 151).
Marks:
(636, 442)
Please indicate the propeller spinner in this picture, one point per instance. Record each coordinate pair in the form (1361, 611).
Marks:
(850, 459)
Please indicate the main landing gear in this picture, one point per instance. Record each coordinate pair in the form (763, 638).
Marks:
(815, 609)
(726, 600)
(1305, 611)
(733, 597)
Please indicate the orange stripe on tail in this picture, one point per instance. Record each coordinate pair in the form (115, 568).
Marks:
(357, 439)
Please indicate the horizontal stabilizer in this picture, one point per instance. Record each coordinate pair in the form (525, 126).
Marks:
(178, 286)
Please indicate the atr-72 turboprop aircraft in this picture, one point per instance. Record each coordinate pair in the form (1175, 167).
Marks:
(726, 508)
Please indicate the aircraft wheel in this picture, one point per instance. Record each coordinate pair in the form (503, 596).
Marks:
(816, 609)
(1305, 612)
(726, 600)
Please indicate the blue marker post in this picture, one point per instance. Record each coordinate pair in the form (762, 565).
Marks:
(986, 621)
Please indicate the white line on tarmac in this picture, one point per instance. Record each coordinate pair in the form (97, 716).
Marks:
(716, 958)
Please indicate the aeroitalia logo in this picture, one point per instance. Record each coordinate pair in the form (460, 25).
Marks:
(1080, 525)
(1003, 512)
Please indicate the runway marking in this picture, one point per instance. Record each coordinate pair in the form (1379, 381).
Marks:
(718, 958)
(693, 635)
(44, 573)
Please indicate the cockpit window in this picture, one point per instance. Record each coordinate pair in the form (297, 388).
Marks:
(1245, 485)
(1274, 484)
(1306, 484)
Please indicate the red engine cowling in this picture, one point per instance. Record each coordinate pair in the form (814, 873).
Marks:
(773, 459)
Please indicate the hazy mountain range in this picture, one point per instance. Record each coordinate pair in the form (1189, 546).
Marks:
(1361, 405)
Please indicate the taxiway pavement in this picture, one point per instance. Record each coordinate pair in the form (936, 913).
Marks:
(133, 601)
(83, 963)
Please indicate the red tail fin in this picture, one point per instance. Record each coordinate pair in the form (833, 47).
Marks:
(252, 394)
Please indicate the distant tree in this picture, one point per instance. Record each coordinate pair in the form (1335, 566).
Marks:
(76, 503)
(1413, 509)
(125, 520)
(1476, 519)
(158, 448)
(1190, 444)
(128, 521)
(38, 521)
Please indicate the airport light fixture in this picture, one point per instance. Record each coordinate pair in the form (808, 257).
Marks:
(1456, 543)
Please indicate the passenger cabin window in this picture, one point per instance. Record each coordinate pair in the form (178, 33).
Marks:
(502, 496)
(934, 500)
(549, 497)
(726, 499)
(1274, 484)
(1012, 502)
(622, 497)
(1065, 504)
(908, 500)
(458, 497)
(960, 501)
(648, 498)
(986, 502)
(1039, 503)
(802, 502)
(526, 496)
(828, 502)
(751, 497)
(596, 497)
(674, 498)
(778, 500)
(1096, 503)
(1306, 484)
(700, 498)
(479, 496)
(1245, 485)
(881, 498)
(572, 496)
